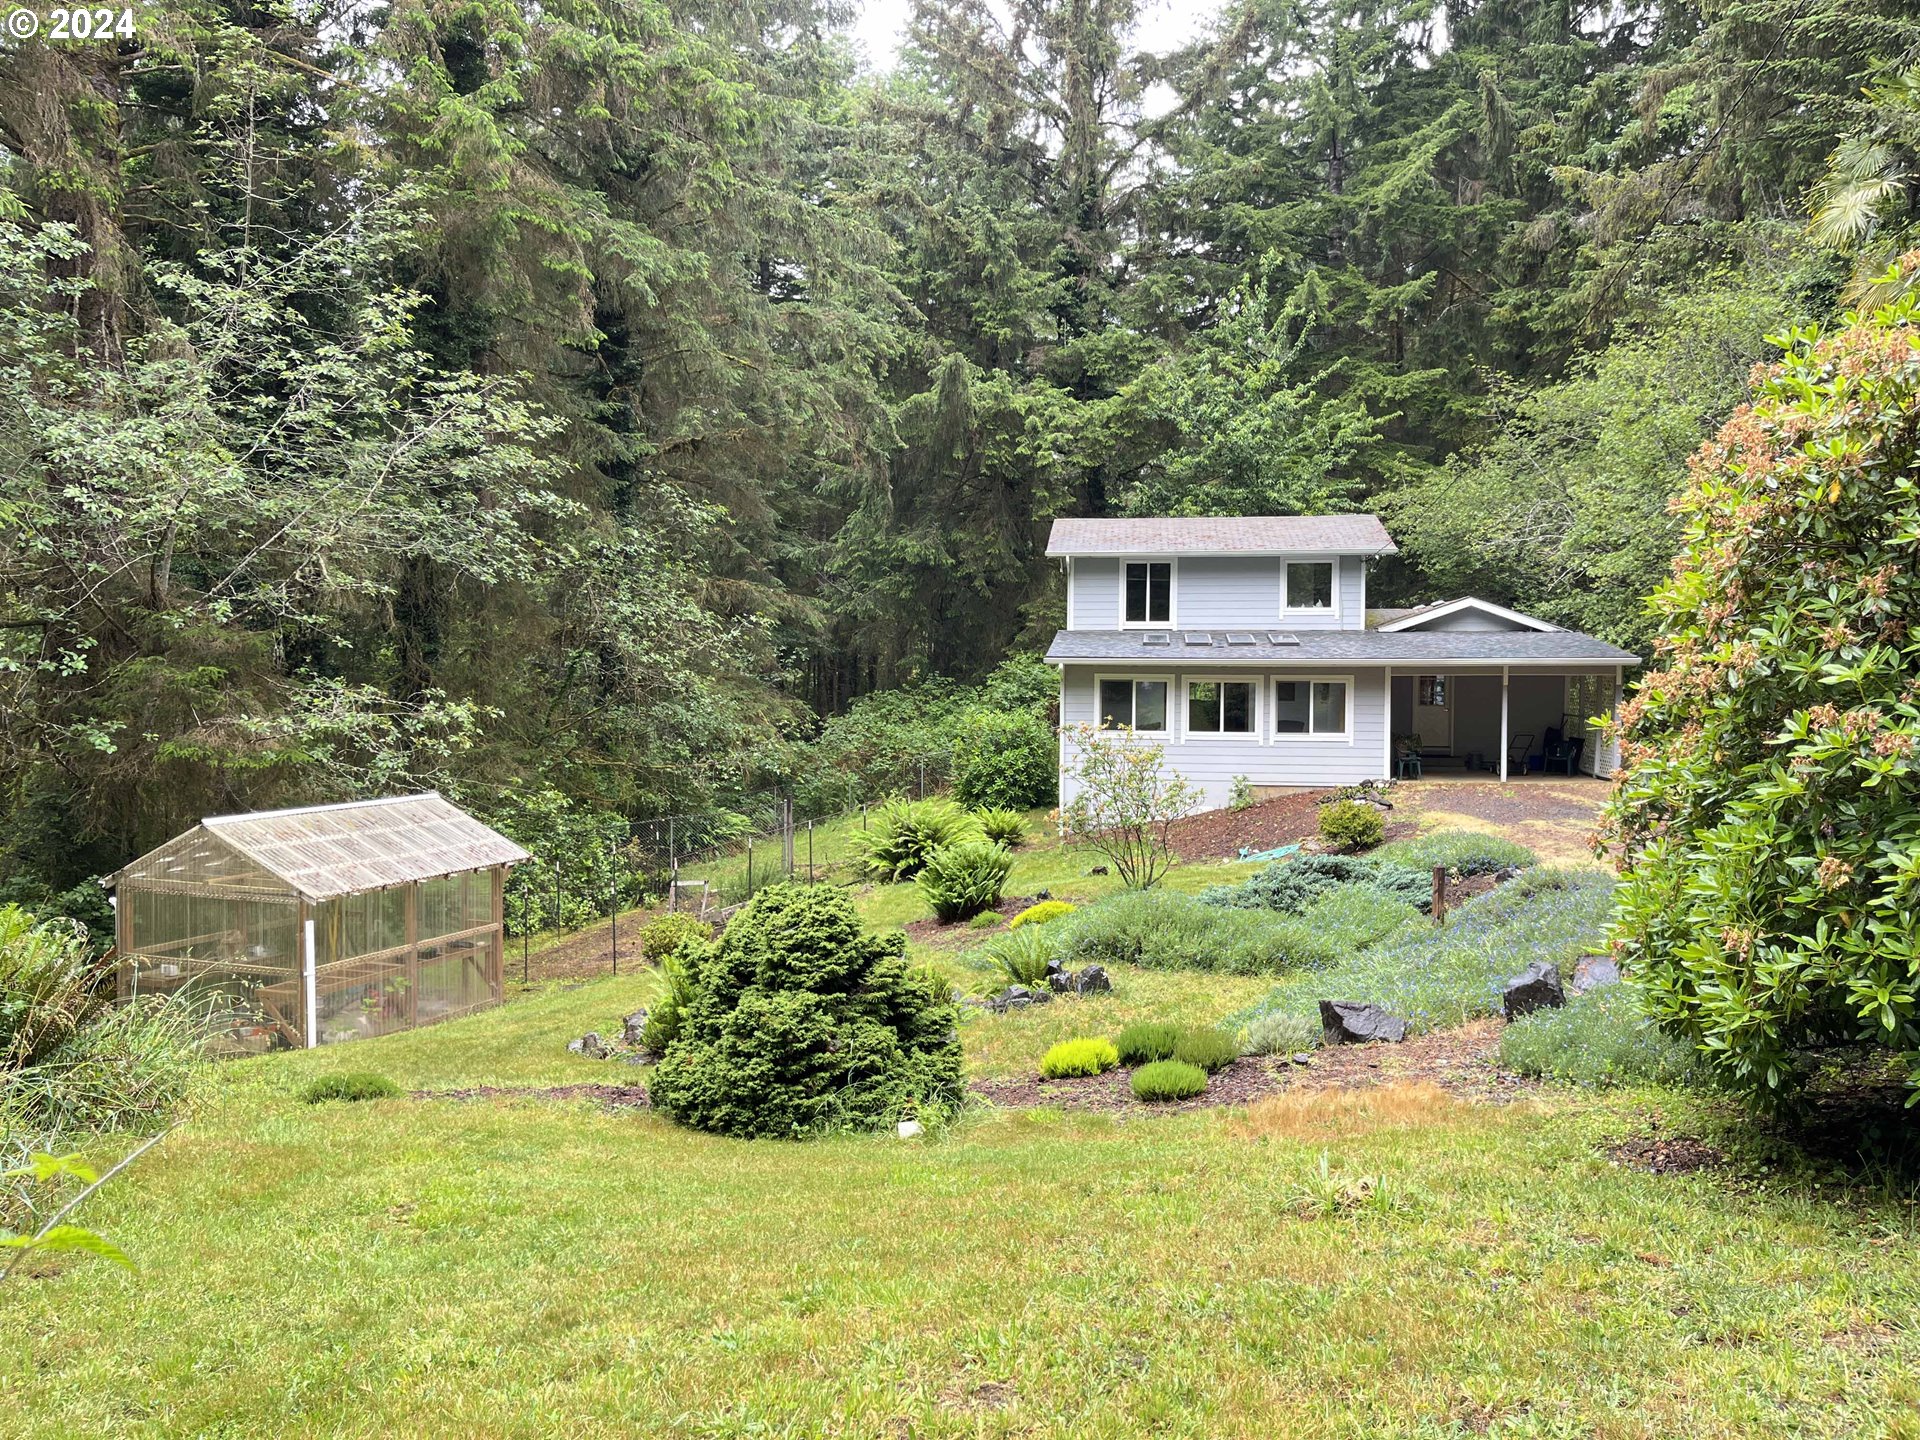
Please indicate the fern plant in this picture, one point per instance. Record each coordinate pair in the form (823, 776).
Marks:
(961, 880)
(903, 835)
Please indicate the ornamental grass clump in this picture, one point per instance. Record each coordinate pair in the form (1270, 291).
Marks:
(1093, 1055)
(1209, 1049)
(1767, 813)
(1145, 1041)
(902, 836)
(796, 1022)
(962, 879)
(1166, 1080)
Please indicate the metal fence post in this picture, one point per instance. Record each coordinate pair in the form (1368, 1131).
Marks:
(613, 905)
(786, 833)
(809, 852)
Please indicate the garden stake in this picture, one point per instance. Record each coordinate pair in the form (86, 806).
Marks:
(1439, 893)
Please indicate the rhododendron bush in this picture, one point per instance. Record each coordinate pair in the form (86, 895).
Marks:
(1768, 812)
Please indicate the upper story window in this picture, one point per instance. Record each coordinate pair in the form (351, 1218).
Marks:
(1149, 593)
(1309, 585)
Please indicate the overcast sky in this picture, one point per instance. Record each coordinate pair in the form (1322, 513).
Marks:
(1164, 25)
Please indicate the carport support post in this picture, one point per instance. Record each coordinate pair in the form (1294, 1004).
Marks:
(310, 984)
(1503, 722)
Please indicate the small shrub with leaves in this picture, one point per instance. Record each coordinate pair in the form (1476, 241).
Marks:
(664, 934)
(1280, 1033)
(1352, 824)
(1166, 1080)
(350, 1085)
(1042, 913)
(1289, 886)
(1206, 1047)
(1600, 1038)
(1240, 794)
(986, 920)
(1022, 955)
(902, 836)
(1009, 760)
(1003, 827)
(962, 879)
(1093, 1055)
(1145, 1041)
(1465, 852)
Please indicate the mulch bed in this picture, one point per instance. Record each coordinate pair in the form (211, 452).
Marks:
(611, 1097)
(934, 931)
(1666, 1155)
(1461, 1061)
(1271, 823)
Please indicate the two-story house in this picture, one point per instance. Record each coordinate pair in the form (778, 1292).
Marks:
(1246, 647)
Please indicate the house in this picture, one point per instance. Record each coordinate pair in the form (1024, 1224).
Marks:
(1246, 647)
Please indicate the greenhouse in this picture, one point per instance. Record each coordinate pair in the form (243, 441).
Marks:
(334, 922)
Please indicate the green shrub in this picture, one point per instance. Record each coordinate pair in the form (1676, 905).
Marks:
(1769, 805)
(1145, 1041)
(962, 879)
(1441, 975)
(1178, 932)
(1003, 827)
(677, 968)
(1207, 1048)
(350, 1085)
(1005, 760)
(1600, 1038)
(49, 989)
(1289, 886)
(1352, 824)
(1465, 852)
(1043, 912)
(1279, 1033)
(985, 920)
(664, 934)
(1356, 916)
(1022, 955)
(797, 1022)
(1168, 1080)
(1240, 794)
(1090, 1056)
(902, 835)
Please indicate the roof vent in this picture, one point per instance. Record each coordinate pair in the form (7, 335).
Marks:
(1239, 637)
(1282, 637)
(1156, 637)
(1199, 637)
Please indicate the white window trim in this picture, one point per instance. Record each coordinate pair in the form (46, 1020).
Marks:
(1321, 612)
(1173, 693)
(1344, 737)
(1224, 678)
(1172, 622)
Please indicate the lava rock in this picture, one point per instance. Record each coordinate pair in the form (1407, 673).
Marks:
(634, 1028)
(1302, 1057)
(1060, 981)
(1092, 981)
(590, 1045)
(1098, 870)
(1535, 988)
(1348, 1022)
(1016, 997)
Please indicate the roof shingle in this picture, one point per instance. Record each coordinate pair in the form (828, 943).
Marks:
(1223, 535)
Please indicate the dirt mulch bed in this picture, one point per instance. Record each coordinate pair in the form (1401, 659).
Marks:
(1222, 834)
(1666, 1155)
(584, 955)
(1463, 1062)
(934, 932)
(610, 1097)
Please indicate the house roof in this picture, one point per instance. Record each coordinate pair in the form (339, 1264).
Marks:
(1223, 535)
(325, 851)
(1550, 649)
(1420, 615)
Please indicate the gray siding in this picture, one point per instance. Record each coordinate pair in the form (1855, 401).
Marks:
(1217, 592)
(1211, 762)
(1470, 620)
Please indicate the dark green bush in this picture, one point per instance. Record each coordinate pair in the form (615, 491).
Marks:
(1003, 827)
(1289, 886)
(1352, 824)
(350, 1085)
(1091, 1056)
(664, 934)
(902, 835)
(1145, 1041)
(1167, 931)
(962, 879)
(797, 1022)
(1168, 1080)
(1207, 1048)
(1006, 760)
(1466, 852)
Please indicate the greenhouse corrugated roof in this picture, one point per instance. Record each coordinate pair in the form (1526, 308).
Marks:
(326, 851)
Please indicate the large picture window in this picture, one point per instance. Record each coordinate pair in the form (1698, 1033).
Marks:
(1149, 597)
(1220, 707)
(1311, 707)
(1309, 585)
(1141, 704)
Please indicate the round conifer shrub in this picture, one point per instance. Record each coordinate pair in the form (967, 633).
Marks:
(1352, 824)
(961, 880)
(796, 1022)
(1168, 1080)
(1768, 811)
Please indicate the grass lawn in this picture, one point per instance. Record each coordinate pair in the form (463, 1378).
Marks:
(531, 1267)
